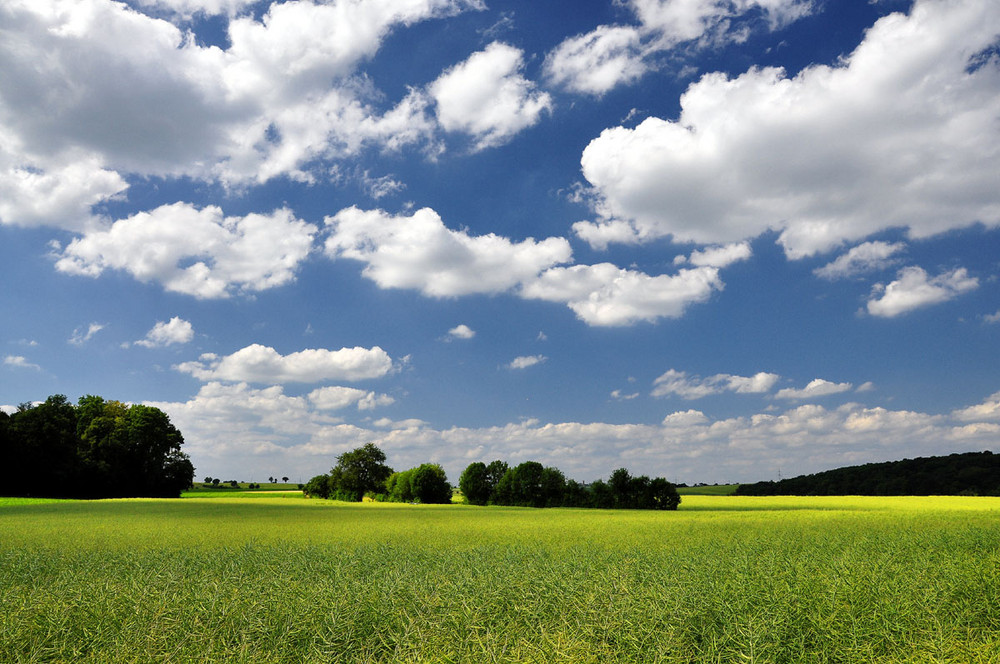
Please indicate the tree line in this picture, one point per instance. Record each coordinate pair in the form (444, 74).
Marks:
(973, 473)
(93, 449)
(530, 484)
(362, 472)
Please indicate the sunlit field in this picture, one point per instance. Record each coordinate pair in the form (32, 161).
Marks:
(258, 577)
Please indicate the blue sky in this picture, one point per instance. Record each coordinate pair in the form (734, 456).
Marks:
(712, 240)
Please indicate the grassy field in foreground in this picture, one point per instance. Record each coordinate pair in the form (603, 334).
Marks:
(258, 578)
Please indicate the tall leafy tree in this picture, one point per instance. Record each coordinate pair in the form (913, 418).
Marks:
(430, 484)
(474, 485)
(553, 486)
(358, 472)
(494, 471)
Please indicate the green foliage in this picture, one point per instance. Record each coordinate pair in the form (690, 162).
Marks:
(399, 487)
(974, 473)
(95, 449)
(318, 487)
(430, 484)
(427, 483)
(474, 485)
(358, 472)
(532, 485)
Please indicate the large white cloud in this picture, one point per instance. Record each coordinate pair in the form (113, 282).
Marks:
(487, 97)
(613, 55)
(262, 364)
(195, 251)
(93, 90)
(914, 289)
(418, 251)
(901, 133)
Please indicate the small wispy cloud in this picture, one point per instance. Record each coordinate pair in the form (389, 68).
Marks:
(867, 257)
(20, 362)
(817, 388)
(679, 383)
(82, 336)
(525, 361)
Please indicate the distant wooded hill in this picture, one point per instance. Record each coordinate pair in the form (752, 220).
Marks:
(974, 473)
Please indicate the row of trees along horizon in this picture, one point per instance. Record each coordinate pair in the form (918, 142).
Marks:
(94, 449)
(362, 473)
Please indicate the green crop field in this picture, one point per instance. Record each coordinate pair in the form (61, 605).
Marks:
(272, 577)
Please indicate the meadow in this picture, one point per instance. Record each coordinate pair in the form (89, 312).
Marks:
(272, 577)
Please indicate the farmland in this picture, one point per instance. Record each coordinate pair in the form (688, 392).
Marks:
(272, 577)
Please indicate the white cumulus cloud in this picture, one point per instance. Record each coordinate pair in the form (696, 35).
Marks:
(673, 382)
(95, 90)
(199, 252)
(174, 331)
(462, 331)
(817, 387)
(418, 251)
(337, 398)
(487, 97)
(914, 288)
(866, 257)
(685, 418)
(262, 364)
(987, 411)
(606, 295)
(612, 55)
(900, 133)
(598, 61)
(721, 256)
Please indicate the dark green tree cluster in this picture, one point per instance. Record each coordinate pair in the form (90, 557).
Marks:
(974, 473)
(427, 483)
(95, 449)
(532, 485)
(362, 472)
